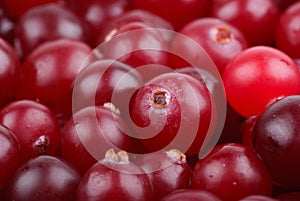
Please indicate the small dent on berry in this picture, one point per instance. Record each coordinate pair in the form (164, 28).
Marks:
(160, 99)
(223, 35)
(42, 144)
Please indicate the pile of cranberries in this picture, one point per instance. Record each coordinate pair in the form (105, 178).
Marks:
(150, 100)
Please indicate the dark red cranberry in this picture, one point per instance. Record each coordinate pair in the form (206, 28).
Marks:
(247, 130)
(91, 132)
(115, 178)
(191, 195)
(273, 75)
(9, 72)
(49, 72)
(168, 171)
(291, 196)
(171, 110)
(276, 139)
(249, 16)
(7, 26)
(232, 171)
(96, 14)
(35, 126)
(44, 23)
(221, 40)
(10, 156)
(179, 12)
(287, 32)
(258, 198)
(44, 178)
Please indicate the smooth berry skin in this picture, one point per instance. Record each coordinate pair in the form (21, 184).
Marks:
(168, 171)
(280, 146)
(10, 156)
(287, 31)
(258, 198)
(259, 76)
(191, 195)
(248, 16)
(179, 12)
(44, 178)
(7, 26)
(95, 14)
(34, 125)
(232, 171)
(247, 130)
(49, 72)
(221, 40)
(9, 72)
(115, 178)
(50, 22)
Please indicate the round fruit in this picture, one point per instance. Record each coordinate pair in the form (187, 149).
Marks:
(191, 195)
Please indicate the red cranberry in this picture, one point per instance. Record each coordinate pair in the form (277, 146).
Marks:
(35, 126)
(179, 12)
(221, 40)
(287, 32)
(7, 26)
(9, 72)
(44, 23)
(232, 171)
(48, 74)
(191, 195)
(248, 16)
(247, 130)
(44, 178)
(276, 139)
(168, 171)
(10, 156)
(90, 132)
(171, 110)
(115, 178)
(258, 76)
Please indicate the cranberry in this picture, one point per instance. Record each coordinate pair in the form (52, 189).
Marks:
(232, 171)
(172, 110)
(9, 72)
(44, 23)
(276, 140)
(34, 125)
(258, 76)
(44, 178)
(221, 40)
(168, 171)
(291, 196)
(191, 195)
(90, 132)
(258, 198)
(247, 130)
(96, 13)
(115, 178)
(179, 12)
(48, 74)
(248, 16)
(7, 26)
(9, 156)
(287, 32)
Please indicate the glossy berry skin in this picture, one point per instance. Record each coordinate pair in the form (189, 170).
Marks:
(49, 72)
(191, 195)
(9, 72)
(44, 178)
(7, 26)
(171, 110)
(276, 140)
(287, 31)
(179, 12)
(250, 15)
(115, 178)
(44, 23)
(221, 40)
(10, 156)
(168, 171)
(90, 132)
(232, 171)
(258, 76)
(258, 198)
(34, 125)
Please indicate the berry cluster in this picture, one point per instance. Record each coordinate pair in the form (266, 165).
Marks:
(149, 100)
